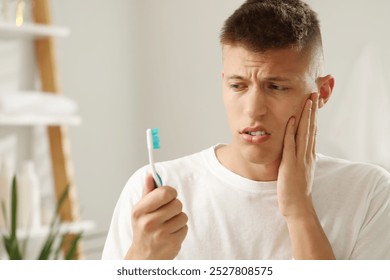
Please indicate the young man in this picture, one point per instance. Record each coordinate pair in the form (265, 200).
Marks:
(266, 194)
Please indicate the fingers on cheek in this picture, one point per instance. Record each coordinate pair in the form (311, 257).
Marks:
(310, 114)
(290, 133)
(309, 106)
(304, 122)
(313, 124)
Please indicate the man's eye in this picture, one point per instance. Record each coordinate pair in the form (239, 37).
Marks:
(237, 87)
(277, 87)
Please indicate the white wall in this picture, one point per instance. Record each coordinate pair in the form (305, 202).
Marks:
(356, 122)
(133, 65)
(136, 64)
(96, 65)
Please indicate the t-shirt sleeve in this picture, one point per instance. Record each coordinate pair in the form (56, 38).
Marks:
(120, 233)
(374, 237)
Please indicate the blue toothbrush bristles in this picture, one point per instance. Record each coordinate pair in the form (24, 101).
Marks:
(155, 139)
(153, 143)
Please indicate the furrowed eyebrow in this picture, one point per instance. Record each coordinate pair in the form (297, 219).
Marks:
(235, 77)
(271, 79)
(278, 79)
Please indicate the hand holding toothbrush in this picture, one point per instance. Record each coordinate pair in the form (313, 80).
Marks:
(158, 222)
(159, 225)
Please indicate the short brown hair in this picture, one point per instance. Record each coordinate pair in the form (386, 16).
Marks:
(260, 25)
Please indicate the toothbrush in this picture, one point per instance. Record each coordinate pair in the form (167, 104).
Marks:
(153, 143)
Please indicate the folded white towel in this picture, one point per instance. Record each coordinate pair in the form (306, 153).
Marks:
(40, 103)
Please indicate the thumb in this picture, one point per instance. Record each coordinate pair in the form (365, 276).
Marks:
(149, 185)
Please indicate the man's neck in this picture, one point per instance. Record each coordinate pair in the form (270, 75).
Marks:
(234, 161)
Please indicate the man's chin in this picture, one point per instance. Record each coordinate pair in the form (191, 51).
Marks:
(260, 156)
(262, 159)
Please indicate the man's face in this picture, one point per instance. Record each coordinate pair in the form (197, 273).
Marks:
(261, 93)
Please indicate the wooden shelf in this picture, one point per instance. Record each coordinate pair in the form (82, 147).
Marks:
(43, 231)
(31, 30)
(32, 120)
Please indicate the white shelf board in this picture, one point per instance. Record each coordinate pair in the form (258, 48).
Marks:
(31, 30)
(43, 231)
(32, 120)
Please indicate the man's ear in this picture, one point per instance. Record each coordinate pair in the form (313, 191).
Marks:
(325, 86)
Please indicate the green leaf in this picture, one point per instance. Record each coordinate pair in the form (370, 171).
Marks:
(11, 242)
(59, 247)
(4, 213)
(73, 246)
(14, 248)
(14, 206)
(11, 246)
(50, 239)
(7, 244)
(61, 200)
(54, 228)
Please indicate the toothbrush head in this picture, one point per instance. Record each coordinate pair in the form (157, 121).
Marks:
(153, 139)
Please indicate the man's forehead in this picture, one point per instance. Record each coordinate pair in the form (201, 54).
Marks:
(287, 63)
(272, 78)
(244, 54)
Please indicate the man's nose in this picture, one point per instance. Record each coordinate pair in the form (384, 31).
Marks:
(256, 103)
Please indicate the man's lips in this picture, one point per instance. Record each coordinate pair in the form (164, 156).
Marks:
(255, 135)
(255, 131)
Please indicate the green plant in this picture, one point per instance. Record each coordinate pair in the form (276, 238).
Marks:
(54, 241)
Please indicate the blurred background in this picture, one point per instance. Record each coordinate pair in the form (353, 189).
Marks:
(134, 64)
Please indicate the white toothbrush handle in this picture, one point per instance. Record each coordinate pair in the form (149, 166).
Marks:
(156, 178)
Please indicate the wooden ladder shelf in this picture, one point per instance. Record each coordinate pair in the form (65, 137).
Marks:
(58, 138)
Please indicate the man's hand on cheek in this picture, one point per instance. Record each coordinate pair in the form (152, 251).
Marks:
(295, 179)
(296, 170)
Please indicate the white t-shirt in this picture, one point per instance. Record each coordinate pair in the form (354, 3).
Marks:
(231, 217)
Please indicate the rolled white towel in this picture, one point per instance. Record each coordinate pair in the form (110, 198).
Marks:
(36, 103)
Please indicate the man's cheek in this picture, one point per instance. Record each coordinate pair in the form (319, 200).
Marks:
(295, 112)
(298, 110)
